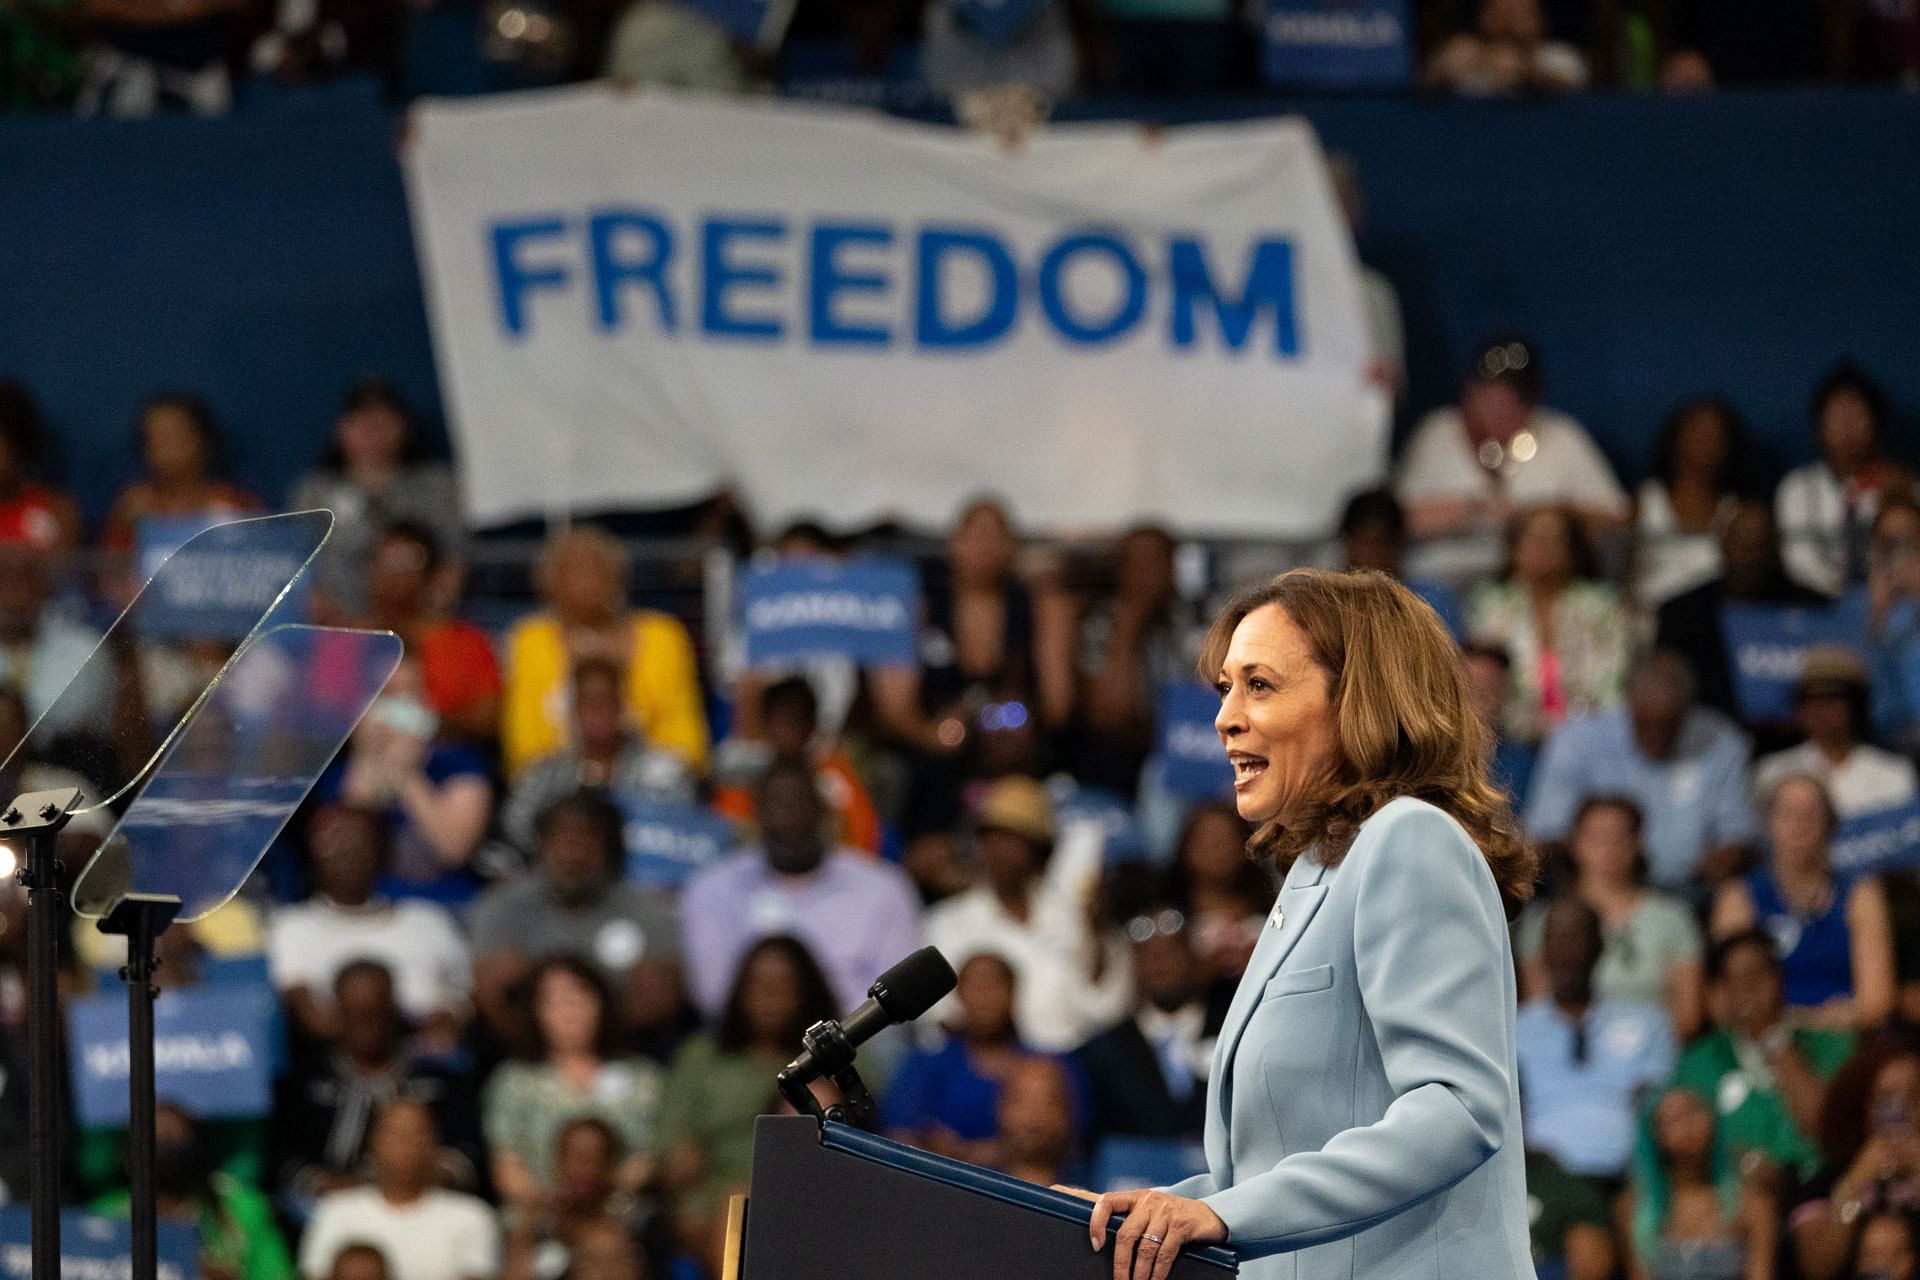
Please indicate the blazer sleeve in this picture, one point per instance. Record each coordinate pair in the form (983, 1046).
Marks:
(1427, 937)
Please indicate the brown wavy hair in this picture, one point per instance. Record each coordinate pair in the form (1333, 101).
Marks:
(1402, 721)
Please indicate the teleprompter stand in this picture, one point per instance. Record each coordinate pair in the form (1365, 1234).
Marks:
(141, 918)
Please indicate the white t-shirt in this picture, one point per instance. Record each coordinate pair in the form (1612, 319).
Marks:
(1667, 561)
(309, 942)
(1812, 508)
(1566, 468)
(1869, 779)
(444, 1235)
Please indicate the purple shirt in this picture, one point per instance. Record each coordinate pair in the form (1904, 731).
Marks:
(857, 915)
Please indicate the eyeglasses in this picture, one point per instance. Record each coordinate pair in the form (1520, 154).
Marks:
(1163, 924)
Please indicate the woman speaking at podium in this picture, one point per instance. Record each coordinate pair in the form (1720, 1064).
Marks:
(1363, 1117)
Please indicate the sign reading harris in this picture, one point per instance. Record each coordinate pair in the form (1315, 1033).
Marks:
(1878, 841)
(212, 1053)
(93, 1248)
(1193, 763)
(210, 594)
(667, 843)
(1767, 646)
(864, 609)
(1338, 44)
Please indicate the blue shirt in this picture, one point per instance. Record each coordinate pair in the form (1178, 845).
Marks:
(1443, 600)
(1896, 676)
(1580, 1112)
(1816, 954)
(1691, 802)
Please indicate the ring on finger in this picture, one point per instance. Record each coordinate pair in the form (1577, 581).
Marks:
(1148, 1235)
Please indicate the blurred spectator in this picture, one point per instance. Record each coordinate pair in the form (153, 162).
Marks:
(571, 1069)
(1893, 621)
(39, 56)
(603, 753)
(1508, 52)
(1888, 1239)
(1224, 894)
(1683, 765)
(1751, 572)
(30, 771)
(995, 673)
(1037, 1141)
(305, 41)
(40, 651)
(359, 1262)
(30, 512)
(945, 1099)
(662, 44)
(407, 571)
(376, 474)
(604, 1249)
(1826, 507)
(1748, 42)
(973, 47)
(573, 902)
(178, 443)
(1682, 510)
(325, 1106)
(834, 678)
(1766, 1076)
(857, 914)
(424, 1232)
(436, 791)
(1175, 47)
(1582, 1059)
(1687, 1208)
(1147, 1075)
(1836, 940)
(586, 1188)
(1569, 1223)
(347, 919)
(1489, 673)
(1871, 1141)
(1373, 535)
(723, 1078)
(1469, 468)
(1830, 703)
(1651, 947)
(149, 56)
(1036, 909)
(238, 1238)
(1563, 629)
(582, 576)
(1131, 644)
(790, 725)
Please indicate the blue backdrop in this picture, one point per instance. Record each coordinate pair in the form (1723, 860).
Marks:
(1654, 248)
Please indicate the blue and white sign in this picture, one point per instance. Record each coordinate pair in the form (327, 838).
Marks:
(94, 1248)
(866, 609)
(1129, 1163)
(1337, 44)
(1767, 645)
(215, 591)
(1879, 841)
(1193, 762)
(667, 843)
(824, 306)
(212, 1051)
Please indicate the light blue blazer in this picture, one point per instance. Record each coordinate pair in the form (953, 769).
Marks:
(1363, 1120)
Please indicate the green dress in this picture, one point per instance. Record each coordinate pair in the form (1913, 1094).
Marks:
(711, 1100)
(1753, 1112)
(237, 1231)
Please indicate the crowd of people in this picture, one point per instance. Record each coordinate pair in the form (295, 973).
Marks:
(506, 1055)
(136, 57)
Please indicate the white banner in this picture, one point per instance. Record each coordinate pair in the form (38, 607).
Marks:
(636, 298)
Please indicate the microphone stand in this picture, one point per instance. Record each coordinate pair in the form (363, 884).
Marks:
(833, 1057)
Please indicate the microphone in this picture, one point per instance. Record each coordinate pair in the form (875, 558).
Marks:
(901, 994)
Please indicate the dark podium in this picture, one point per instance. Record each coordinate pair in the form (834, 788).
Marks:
(831, 1202)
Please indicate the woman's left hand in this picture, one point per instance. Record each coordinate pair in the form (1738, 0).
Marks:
(1158, 1225)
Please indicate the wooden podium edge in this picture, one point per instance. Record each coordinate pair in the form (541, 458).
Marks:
(736, 1235)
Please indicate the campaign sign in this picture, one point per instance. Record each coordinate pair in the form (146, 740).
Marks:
(214, 596)
(864, 609)
(1337, 44)
(667, 843)
(93, 1248)
(1878, 841)
(1766, 646)
(1128, 1163)
(212, 1051)
(1194, 763)
(1122, 838)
